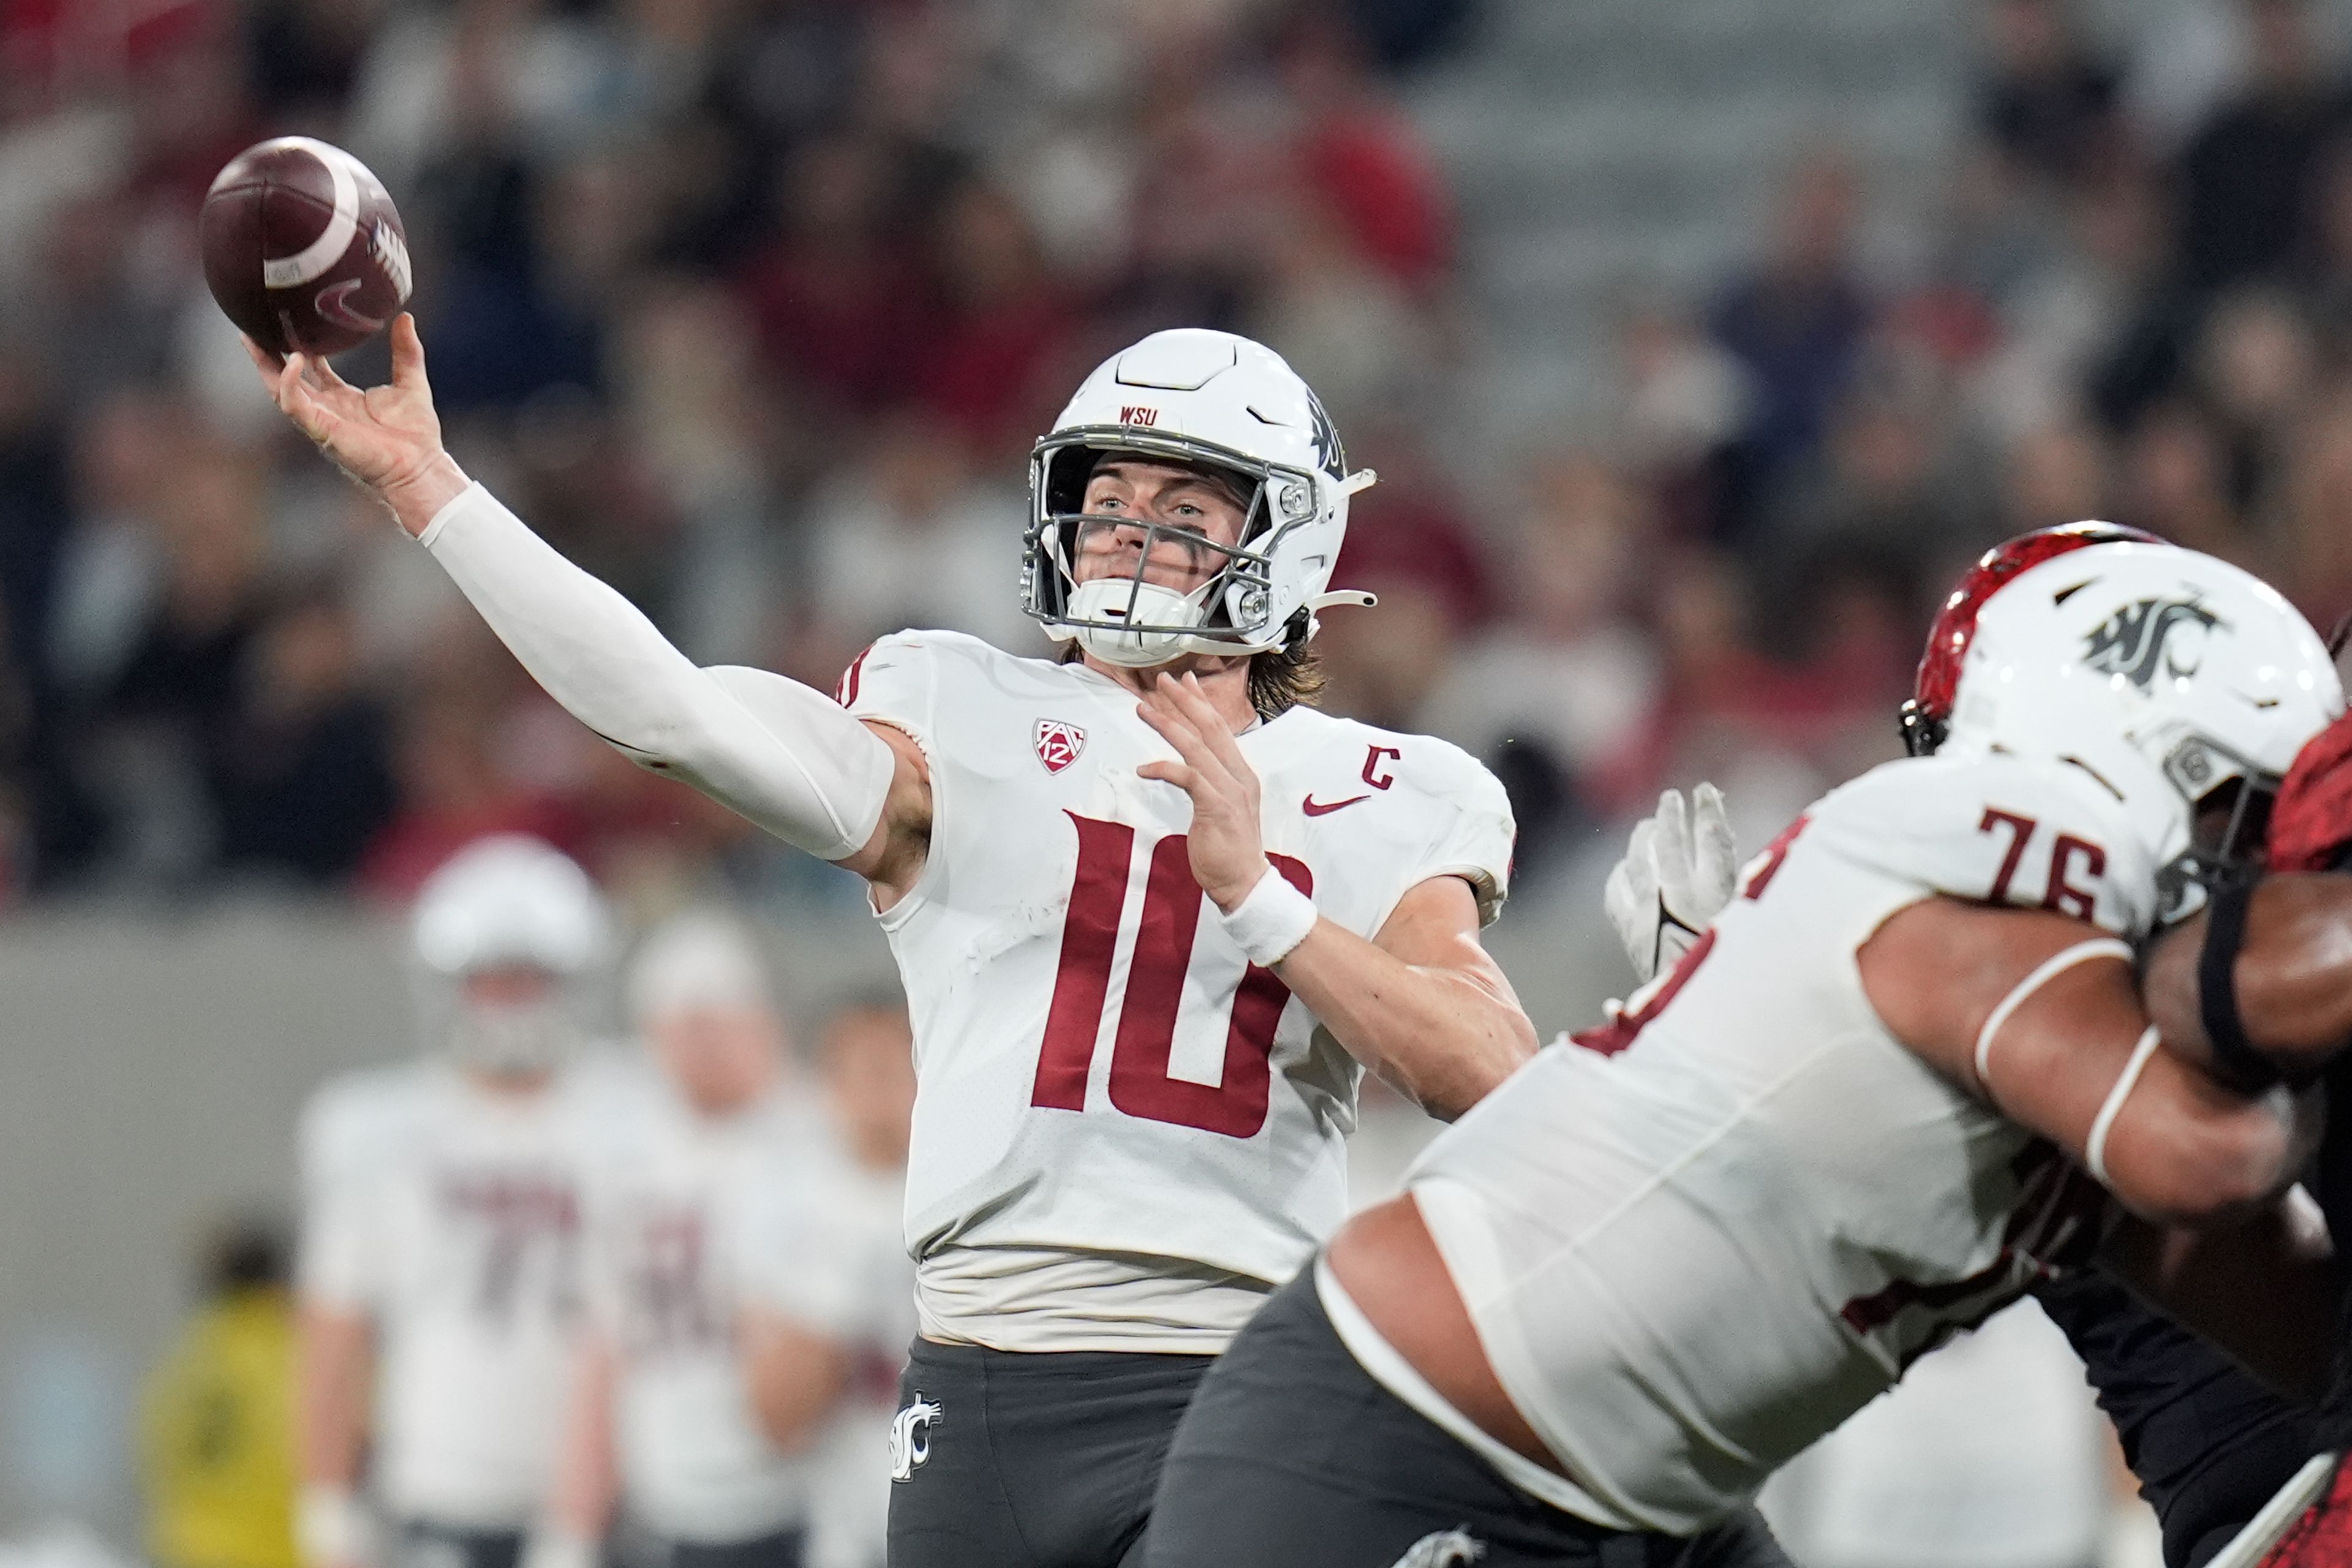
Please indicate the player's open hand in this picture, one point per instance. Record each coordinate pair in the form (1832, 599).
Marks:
(387, 438)
(1228, 846)
(1679, 870)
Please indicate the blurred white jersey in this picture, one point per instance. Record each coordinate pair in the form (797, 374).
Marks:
(1108, 1089)
(662, 1204)
(827, 1251)
(1991, 1453)
(1697, 1238)
(450, 1216)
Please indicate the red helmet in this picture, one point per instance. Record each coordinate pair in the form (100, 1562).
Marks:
(1928, 716)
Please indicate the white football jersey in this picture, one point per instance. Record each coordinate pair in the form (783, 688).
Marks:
(450, 1216)
(663, 1206)
(1102, 1071)
(825, 1249)
(1697, 1238)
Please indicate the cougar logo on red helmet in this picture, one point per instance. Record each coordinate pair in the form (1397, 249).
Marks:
(2138, 638)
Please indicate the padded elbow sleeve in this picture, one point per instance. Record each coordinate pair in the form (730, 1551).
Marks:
(838, 781)
(785, 756)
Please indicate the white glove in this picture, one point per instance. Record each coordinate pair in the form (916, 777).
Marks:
(1679, 872)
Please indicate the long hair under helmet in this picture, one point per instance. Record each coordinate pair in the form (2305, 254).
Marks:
(1200, 399)
(2178, 683)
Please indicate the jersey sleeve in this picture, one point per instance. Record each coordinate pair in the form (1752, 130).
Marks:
(1993, 830)
(896, 682)
(338, 1246)
(786, 760)
(1474, 832)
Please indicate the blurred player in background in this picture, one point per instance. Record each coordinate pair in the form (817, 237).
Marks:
(1856, 1115)
(217, 1417)
(1154, 915)
(829, 1292)
(439, 1267)
(661, 1422)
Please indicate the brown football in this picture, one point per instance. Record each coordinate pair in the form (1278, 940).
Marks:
(303, 248)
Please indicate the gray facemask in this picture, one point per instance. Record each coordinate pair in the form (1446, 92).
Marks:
(511, 1040)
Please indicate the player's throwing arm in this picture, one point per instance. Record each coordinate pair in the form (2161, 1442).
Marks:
(1420, 1001)
(785, 756)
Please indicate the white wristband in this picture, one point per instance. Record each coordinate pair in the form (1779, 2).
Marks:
(1272, 921)
(331, 1527)
(2049, 968)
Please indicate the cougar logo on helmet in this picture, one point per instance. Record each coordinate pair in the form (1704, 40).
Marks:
(1329, 456)
(2135, 641)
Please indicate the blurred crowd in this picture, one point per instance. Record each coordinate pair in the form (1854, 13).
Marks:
(753, 307)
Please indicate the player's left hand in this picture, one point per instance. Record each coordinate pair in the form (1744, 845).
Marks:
(1679, 872)
(1228, 844)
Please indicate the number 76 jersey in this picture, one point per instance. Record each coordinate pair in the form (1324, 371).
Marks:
(1100, 1068)
(1703, 1235)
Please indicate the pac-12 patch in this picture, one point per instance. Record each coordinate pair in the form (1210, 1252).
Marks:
(1059, 742)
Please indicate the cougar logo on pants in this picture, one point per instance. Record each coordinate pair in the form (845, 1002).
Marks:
(1443, 1549)
(910, 1442)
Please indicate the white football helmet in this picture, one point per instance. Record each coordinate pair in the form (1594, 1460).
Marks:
(700, 959)
(2166, 674)
(1194, 396)
(508, 901)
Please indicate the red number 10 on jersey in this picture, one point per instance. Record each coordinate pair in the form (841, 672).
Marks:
(1139, 1083)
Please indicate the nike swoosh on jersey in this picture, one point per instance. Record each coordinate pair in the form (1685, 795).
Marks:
(1313, 807)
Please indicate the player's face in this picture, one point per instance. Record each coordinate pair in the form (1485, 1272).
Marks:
(510, 1025)
(509, 986)
(720, 1059)
(1202, 512)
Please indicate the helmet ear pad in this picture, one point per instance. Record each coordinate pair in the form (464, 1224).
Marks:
(1067, 474)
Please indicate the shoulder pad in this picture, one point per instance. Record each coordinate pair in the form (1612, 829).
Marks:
(1996, 829)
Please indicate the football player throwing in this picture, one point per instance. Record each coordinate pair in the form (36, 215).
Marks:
(1153, 914)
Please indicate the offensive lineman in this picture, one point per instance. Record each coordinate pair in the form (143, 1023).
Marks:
(438, 1272)
(1154, 917)
(2209, 1443)
(1669, 1256)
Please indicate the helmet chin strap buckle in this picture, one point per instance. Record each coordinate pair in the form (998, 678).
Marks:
(1361, 479)
(1356, 597)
